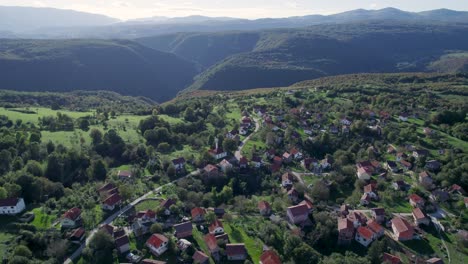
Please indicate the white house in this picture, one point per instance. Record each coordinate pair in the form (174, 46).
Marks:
(364, 236)
(287, 179)
(157, 244)
(71, 218)
(216, 228)
(11, 206)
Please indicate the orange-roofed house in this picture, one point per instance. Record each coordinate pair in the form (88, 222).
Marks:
(416, 200)
(419, 217)
(364, 236)
(402, 230)
(264, 207)
(345, 231)
(390, 259)
(270, 257)
(216, 228)
(71, 218)
(198, 214)
(157, 244)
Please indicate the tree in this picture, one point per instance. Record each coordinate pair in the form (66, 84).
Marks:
(125, 192)
(3, 193)
(229, 145)
(210, 217)
(22, 250)
(5, 161)
(84, 124)
(305, 254)
(100, 248)
(96, 136)
(156, 228)
(98, 170)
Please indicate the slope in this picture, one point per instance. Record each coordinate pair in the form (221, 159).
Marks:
(121, 66)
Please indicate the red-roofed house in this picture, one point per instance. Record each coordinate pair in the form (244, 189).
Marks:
(122, 244)
(364, 236)
(364, 173)
(402, 230)
(211, 170)
(147, 216)
(200, 258)
(11, 206)
(297, 214)
(345, 231)
(111, 202)
(198, 214)
(77, 235)
(287, 158)
(157, 244)
(310, 205)
(236, 252)
(216, 228)
(71, 218)
(270, 257)
(212, 245)
(264, 208)
(419, 217)
(296, 154)
(416, 200)
(376, 228)
(243, 163)
(390, 259)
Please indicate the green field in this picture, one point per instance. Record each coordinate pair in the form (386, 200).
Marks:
(238, 235)
(42, 220)
(146, 205)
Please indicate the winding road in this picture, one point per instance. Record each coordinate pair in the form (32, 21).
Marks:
(111, 218)
(238, 154)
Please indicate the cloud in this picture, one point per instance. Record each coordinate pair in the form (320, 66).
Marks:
(374, 5)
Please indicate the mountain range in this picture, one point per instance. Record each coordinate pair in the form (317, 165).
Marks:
(55, 23)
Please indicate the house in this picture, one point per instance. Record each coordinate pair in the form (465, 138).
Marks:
(455, 188)
(419, 153)
(178, 163)
(425, 178)
(243, 163)
(293, 195)
(309, 163)
(147, 216)
(224, 237)
(236, 252)
(109, 229)
(287, 158)
(402, 230)
(219, 212)
(416, 200)
(428, 131)
(433, 165)
(183, 230)
(216, 228)
(345, 122)
(310, 205)
(419, 217)
(403, 117)
(270, 257)
(122, 244)
(326, 163)
(11, 206)
(225, 165)
(392, 166)
(233, 134)
(77, 235)
(357, 218)
(344, 210)
(118, 232)
(139, 228)
(264, 208)
(277, 161)
(104, 190)
(400, 186)
(465, 200)
(378, 214)
(217, 153)
(406, 165)
(297, 214)
(345, 231)
(166, 204)
(157, 244)
(212, 245)
(439, 196)
(200, 258)
(287, 179)
(364, 236)
(376, 228)
(365, 199)
(152, 261)
(124, 175)
(364, 173)
(401, 156)
(211, 170)
(296, 154)
(435, 261)
(390, 259)
(111, 202)
(371, 190)
(270, 154)
(198, 214)
(257, 161)
(71, 218)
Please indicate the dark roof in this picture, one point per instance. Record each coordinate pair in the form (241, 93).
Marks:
(180, 160)
(78, 233)
(9, 202)
(235, 249)
(167, 203)
(124, 173)
(184, 227)
(121, 241)
(297, 210)
(113, 199)
(152, 261)
(378, 211)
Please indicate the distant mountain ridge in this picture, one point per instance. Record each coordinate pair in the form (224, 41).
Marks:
(144, 27)
(19, 19)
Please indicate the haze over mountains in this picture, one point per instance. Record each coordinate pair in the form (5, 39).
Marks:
(161, 57)
(56, 23)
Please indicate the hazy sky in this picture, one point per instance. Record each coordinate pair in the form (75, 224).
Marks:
(127, 9)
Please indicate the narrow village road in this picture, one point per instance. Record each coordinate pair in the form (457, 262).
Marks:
(238, 154)
(111, 218)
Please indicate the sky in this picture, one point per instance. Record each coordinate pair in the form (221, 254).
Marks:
(131, 9)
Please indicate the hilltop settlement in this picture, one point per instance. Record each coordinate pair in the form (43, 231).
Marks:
(354, 169)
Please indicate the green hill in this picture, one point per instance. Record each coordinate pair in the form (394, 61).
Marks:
(283, 57)
(121, 66)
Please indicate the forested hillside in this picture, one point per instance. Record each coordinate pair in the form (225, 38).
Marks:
(121, 66)
(283, 57)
